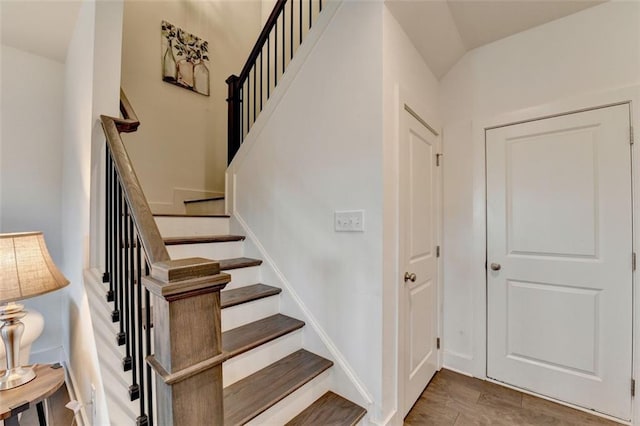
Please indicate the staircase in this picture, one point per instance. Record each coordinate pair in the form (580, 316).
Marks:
(268, 377)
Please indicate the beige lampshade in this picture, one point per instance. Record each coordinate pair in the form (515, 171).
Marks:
(26, 268)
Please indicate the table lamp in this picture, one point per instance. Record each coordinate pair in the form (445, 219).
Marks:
(26, 270)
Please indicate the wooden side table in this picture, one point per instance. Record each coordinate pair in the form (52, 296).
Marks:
(49, 378)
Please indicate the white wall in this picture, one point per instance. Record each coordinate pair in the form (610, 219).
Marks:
(92, 80)
(321, 151)
(406, 79)
(31, 169)
(592, 51)
(182, 141)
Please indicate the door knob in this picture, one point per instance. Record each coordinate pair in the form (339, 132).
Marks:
(409, 277)
(495, 266)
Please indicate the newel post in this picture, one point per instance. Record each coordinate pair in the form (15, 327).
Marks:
(187, 355)
(233, 117)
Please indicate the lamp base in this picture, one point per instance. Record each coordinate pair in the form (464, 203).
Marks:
(16, 377)
(11, 332)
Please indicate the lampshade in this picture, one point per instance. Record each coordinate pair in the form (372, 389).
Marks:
(26, 268)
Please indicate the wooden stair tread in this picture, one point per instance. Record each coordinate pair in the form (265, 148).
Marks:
(252, 335)
(238, 262)
(204, 239)
(254, 394)
(245, 294)
(204, 200)
(190, 215)
(329, 409)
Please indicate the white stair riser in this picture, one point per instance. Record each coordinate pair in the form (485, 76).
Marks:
(208, 251)
(293, 404)
(177, 226)
(243, 276)
(238, 315)
(206, 207)
(249, 362)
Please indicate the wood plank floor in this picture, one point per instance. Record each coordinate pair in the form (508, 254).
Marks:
(455, 399)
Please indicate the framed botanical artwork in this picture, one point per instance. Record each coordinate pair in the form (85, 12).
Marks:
(185, 59)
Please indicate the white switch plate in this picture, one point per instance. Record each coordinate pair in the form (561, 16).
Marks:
(349, 221)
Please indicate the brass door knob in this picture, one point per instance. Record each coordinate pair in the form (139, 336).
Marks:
(495, 266)
(409, 277)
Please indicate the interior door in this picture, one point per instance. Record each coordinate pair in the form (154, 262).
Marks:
(559, 254)
(418, 241)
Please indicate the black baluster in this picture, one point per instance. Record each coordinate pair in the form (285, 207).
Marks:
(268, 67)
(241, 109)
(254, 92)
(291, 31)
(124, 311)
(275, 56)
(310, 13)
(112, 238)
(147, 303)
(115, 314)
(134, 390)
(107, 215)
(284, 42)
(320, 8)
(143, 418)
(300, 4)
(261, 80)
(120, 338)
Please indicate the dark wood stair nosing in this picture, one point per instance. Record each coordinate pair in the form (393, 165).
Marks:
(250, 293)
(205, 239)
(330, 408)
(204, 200)
(238, 262)
(249, 336)
(249, 397)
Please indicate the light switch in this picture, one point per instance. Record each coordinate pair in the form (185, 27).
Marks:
(349, 221)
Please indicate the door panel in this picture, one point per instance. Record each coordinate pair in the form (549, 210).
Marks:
(559, 224)
(418, 214)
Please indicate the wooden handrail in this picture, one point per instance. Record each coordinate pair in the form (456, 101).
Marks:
(129, 122)
(187, 345)
(140, 211)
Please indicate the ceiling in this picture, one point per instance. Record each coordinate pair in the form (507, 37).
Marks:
(444, 30)
(41, 27)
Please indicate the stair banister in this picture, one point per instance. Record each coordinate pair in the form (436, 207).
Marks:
(185, 349)
(244, 108)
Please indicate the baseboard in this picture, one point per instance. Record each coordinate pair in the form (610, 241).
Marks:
(71, 382)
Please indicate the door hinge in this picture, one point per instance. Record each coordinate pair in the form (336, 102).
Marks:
(631, 135)
(437, 251)
(633, 261)
(438, 343)
(633, 387)
(438, 159)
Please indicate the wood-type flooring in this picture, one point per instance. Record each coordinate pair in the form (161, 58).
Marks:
(456, 399)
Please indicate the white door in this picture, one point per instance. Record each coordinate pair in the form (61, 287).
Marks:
(559, 254)
(418, 241)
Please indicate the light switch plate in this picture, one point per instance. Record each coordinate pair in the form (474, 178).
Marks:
(349, 221)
